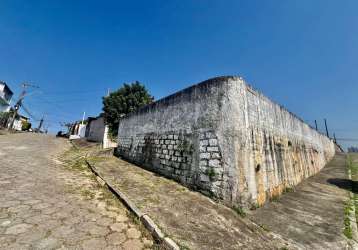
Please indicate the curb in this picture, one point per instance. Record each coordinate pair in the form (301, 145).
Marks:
(148, 223)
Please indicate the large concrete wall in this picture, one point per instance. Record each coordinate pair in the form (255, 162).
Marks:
(226, 140)
(95, 129)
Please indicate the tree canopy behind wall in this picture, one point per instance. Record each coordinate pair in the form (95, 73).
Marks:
(125, 100)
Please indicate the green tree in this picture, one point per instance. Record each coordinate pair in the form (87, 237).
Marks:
(125, 100)
(25, 126)
(5, 118)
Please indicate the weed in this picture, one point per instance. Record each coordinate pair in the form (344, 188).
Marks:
(353, 203)
(275, 198)
(264, 227)
(347, 221)
(48, 233)
(182, 247)
(289, 190)
(240, 211)
(157, 247)
(211, 173)
(186, 146)
(88, 194)
(254, 206)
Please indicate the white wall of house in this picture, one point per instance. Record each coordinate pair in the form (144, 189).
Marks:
(82, 130)
(5, 97)
(107, 142)
(4, 108)
(17, 125)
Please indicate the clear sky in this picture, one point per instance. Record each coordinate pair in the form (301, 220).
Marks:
(302, 54)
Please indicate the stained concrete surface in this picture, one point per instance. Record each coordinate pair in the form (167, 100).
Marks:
(191, 219)
(231, 142)
(313, 215)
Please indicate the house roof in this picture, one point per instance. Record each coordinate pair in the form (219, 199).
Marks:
(24, 117)
(6, 87)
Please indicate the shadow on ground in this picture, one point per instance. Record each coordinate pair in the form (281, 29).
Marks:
(344, 184)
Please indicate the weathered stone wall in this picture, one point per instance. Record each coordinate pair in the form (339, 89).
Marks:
(226, 140)
(95, 129)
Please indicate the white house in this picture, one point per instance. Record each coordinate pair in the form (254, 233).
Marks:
(5, 97)
(19, 122)
(77, 131)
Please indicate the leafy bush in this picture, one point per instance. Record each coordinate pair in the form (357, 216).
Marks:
(125, 100)
(4, 118)
(25, 126)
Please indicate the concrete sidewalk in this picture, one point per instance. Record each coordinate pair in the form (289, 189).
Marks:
(191, 219)
(310, 218)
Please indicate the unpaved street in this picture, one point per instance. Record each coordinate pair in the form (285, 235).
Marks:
(46, 205)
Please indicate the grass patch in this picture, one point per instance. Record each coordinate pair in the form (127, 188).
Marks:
(275, 198)
(96, 159)
(211, 173)
(182, 247)
(88, 194)
(265, 228)
(289, 190)
(254, 206)
(347, 222)
(352, 163)
(240, 211)
(48, 233)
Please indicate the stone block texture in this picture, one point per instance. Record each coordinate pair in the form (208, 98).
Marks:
(226, 140)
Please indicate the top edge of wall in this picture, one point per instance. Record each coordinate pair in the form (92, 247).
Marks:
(210, 83)
(260, 94)
(207, 83)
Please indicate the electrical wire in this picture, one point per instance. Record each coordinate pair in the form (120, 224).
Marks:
(29, 113)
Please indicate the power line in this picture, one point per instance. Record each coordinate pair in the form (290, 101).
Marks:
(74, 92)
(19, 102)
(56, 106)
(29, 113)
(347, 139)
(84, 100)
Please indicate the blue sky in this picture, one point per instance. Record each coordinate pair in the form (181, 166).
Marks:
(302, 54)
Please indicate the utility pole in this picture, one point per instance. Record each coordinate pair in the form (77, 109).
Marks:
(40, 125)
(315, 122)
(325, 124)
(19, 102)
(83, 117)
(17, 107)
